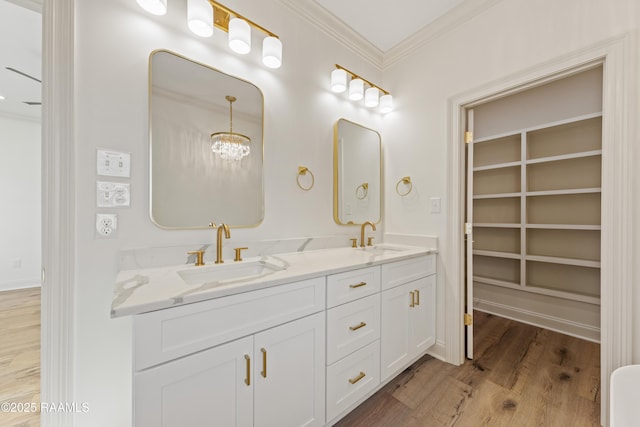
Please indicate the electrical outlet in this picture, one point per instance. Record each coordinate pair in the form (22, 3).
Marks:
(106, 226)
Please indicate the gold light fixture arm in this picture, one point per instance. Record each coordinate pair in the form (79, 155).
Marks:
(354, 75)
(222, 14)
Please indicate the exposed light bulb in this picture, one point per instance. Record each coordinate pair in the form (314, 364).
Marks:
(200, 17)
(338, 80)
(239, 36)
(155, 7)
(272, 52)
(356, 89)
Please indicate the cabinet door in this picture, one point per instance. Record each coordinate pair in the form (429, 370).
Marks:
(422, 331)
(394, 332)
(205, 389)
(289, 368)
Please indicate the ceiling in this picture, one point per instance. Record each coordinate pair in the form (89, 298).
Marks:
(372, 27)
(21, 50)
(386, 24)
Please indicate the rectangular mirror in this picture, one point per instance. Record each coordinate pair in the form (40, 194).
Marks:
(195, 109)
(357, 176)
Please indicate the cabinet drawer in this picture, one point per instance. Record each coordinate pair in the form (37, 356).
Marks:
(171, 333)
(351, 326)
(397, 273)
(351, 285)
(351, 378)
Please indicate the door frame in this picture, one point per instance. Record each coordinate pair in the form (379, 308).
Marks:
(618, 58)
(58, 211)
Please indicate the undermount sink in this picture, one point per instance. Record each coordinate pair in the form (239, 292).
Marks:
(383, 249)
(215, 273)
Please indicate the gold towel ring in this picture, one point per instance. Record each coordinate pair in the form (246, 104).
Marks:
(302, 170)
(406, 180)
(365, 190)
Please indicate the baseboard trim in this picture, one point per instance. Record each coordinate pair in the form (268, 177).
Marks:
(563, 326)
(19, 284)
(438, 351)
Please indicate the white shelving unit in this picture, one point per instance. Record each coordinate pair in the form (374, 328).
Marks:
(536, 207)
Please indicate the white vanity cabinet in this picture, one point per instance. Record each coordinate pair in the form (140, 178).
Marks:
(408, 313)
(273, 376)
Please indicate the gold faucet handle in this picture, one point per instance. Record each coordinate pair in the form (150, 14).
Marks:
(354, 243)
(212, 225)
(238, 253)
(199, 257)
(370, 241)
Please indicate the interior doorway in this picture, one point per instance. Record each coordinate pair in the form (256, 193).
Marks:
(533, 211)
(20, 227)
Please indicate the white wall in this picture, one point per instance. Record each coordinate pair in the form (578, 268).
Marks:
(20, 213)
(508, 38)
(112, 48)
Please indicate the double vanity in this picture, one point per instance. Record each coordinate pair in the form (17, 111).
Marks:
(293, 339)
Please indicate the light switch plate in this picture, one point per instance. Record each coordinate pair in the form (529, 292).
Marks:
(113, 163)
(435, 205)
(112, 194)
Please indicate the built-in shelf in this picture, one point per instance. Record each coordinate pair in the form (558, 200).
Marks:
(563, 192)
(496, 254)
(565, 261)
(542, 291)
(547, 173)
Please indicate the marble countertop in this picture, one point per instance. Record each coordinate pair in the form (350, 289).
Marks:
(148, 289)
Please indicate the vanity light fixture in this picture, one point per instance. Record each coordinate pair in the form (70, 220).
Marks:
(229, 145)
(200, 17)
(356, 87)
(204, 15)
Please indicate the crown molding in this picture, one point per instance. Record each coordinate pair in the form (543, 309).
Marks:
(451, 20)
(333, 27)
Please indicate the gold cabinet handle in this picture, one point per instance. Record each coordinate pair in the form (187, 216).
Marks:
(358, 378)
(247, 380)
(357, 285)
(355, 328)
(417, 297)
(413, 299)
(264, 363)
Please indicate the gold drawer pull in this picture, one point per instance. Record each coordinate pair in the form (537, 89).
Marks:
(264, 363)
(358, 378)
(355, 328)
(417, 297)
(358, 285)
(413, 299)
(247, 380)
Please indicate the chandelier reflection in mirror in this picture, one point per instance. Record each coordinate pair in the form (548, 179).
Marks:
(229, 145)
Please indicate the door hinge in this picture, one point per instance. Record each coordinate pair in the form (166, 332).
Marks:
(468, 137)
(468, 319)
(468, 228)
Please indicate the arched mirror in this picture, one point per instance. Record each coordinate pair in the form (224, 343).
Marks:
(206, 145)
(357, 172)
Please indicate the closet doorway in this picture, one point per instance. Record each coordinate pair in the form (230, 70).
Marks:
(533, 206)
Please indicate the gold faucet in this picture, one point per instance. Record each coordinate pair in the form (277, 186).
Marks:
(373, 227)
(227, 234)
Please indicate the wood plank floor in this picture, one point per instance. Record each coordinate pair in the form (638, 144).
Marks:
(521, 376)
(20, 355)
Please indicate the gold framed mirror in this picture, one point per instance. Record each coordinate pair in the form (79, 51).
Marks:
(194, 110)
(357, 173)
